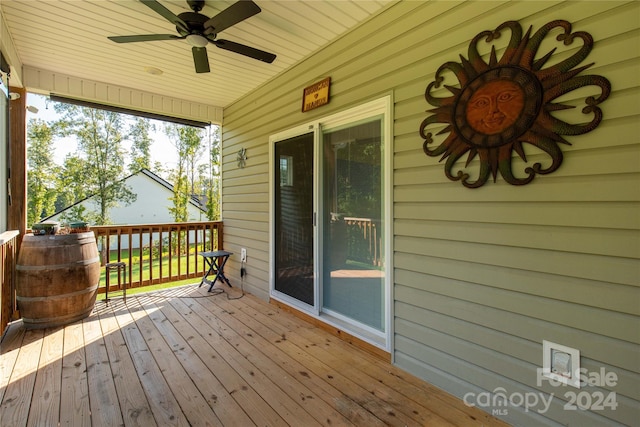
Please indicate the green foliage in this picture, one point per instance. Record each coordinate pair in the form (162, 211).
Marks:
(209, 178)
(360, 180)
(99, 137)
(79, 213)
(189, 147)
(100, 163)
(213, 201)
(71, 185)
(41, 182)
(140, 156)
(180, 199)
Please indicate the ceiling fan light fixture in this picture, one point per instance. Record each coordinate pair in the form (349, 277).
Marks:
(196, 40)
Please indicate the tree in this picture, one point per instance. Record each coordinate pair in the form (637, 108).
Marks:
(213, 182)
(41, 182)
(208, 191)
(140, 156)
(209, 176)
(205, 186)
(99, 137)
(188, 143)
(71, 189)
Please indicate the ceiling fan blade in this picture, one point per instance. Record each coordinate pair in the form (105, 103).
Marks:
(144, 38)
(249, 51)
(235, 13)
(166, 14)
(200, 59)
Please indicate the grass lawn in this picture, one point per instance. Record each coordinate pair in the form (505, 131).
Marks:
(151, 288)
(178, 263)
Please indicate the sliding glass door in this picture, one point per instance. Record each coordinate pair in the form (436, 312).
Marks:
(329, 207)
(353, 273)
(294, 218)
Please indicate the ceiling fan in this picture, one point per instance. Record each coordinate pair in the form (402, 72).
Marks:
(199, 30)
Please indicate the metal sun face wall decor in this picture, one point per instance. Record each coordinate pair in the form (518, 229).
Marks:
(501, 105)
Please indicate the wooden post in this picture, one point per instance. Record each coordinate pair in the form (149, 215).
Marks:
(220, 238)
(17, 209)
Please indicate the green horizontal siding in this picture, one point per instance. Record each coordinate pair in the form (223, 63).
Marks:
(482, 276)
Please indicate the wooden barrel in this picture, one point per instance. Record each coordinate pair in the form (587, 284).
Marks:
(57, 278)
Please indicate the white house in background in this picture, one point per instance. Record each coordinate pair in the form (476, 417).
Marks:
(153, 200)
(150, 207)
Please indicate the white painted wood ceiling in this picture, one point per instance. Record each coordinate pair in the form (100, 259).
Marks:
(70, 37)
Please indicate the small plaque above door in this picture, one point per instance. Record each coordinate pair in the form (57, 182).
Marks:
(316, 95)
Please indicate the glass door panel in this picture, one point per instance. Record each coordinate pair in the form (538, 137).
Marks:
(353, 200)
(293, 217)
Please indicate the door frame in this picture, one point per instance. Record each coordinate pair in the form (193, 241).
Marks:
(381, 106)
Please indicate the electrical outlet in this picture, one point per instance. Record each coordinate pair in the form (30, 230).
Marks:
(243, 255)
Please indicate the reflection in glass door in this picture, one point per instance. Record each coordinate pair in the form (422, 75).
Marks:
(293, 218)
(353, 263)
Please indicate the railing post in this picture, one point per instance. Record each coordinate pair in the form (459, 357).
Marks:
(220, 237)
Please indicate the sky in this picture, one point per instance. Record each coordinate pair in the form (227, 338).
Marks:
(161, 151)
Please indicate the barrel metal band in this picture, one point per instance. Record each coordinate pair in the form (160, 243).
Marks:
(57, 266)
(62, 296)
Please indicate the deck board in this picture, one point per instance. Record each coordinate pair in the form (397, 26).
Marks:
(191, 401)
(312, 391)
(187, 357)
(103, 398)
(162, 401)
(10, 349)
(226, 409)
(274, 410)
(351, 374)
(74, 398)
(46, 393)
(313, 370)
(16, 402)
(304, 405)
(134, 406)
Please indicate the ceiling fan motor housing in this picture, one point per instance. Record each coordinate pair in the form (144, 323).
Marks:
(195, 23)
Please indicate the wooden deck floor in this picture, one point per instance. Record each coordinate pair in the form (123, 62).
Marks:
(184, 357)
